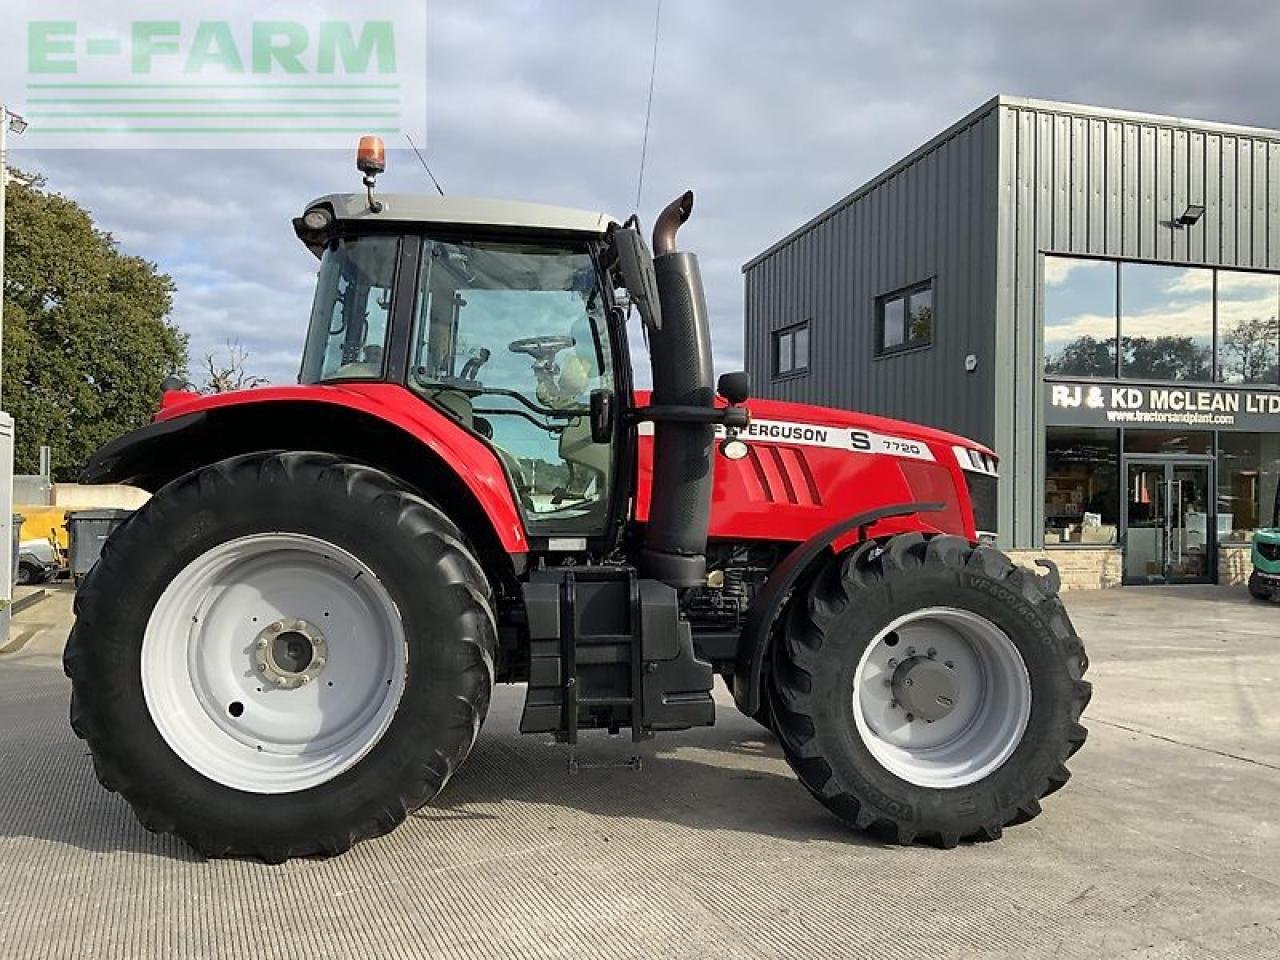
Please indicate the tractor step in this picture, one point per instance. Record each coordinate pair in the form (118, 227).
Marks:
(608, 650)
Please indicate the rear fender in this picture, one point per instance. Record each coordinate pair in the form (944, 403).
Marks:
(440, 460)
(772, 599)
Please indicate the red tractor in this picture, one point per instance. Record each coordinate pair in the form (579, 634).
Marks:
(294, 643)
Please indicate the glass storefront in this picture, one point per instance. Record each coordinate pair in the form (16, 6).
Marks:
(1162, 409)
(1170, 496)
(1082, 486)
(1248, 467)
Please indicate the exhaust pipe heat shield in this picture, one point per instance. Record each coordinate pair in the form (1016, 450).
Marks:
(680, 353)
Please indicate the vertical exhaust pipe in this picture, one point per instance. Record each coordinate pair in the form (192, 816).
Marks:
(675, 541)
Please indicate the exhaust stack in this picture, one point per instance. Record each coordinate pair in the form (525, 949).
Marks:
(680, 353)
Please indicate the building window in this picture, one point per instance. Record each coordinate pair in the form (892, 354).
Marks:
(1138, 321)
(1166, 323)
(1248, 468)
(1080, 317)
(1168, 442)
(1248, 334)
(1081, 486)
(905, 319)
(791, 350)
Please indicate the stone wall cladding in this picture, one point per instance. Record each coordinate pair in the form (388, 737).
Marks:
(1080, 568)
(1234, 565)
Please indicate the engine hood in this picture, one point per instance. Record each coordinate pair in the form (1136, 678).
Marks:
(780, 410)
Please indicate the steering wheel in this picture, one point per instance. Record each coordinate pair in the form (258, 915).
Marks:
(542, 349)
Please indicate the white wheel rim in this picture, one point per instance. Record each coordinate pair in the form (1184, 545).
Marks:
(990, 691)
(217, 694)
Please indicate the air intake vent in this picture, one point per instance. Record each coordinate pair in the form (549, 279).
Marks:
(780, 474)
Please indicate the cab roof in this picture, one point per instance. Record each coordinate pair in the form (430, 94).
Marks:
(465, 211)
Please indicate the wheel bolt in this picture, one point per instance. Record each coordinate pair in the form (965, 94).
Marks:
(262, 667)
(911, 651)
(908, 682)
(933, 653)
(949, 665)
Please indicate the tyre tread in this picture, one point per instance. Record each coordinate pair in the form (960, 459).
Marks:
(797, 651)
(424, 528)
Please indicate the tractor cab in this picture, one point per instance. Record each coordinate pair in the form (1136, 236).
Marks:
(497, 314)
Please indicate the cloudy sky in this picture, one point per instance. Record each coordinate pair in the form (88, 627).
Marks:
(770, 111)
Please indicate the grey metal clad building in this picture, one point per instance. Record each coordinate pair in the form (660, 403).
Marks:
(1092, 292)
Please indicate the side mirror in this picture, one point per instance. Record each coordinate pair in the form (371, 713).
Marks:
(735, 387)
(636, 265)
(602, 416)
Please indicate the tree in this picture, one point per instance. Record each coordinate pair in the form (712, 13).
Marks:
(1248, 351)
(87, 340)
(1166, 358)
(222, 375)
(1084, 357)
(1144, 358)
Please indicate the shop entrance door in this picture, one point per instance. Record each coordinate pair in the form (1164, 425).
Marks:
(1170, 527)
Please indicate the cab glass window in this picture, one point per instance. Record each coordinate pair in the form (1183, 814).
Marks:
(511, 340)
(347, 337)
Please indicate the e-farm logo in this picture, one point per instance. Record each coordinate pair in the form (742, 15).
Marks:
(282, 74)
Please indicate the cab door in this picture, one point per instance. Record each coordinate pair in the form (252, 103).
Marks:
(511, 339)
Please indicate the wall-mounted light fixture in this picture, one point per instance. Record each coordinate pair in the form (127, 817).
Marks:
(1191, 216)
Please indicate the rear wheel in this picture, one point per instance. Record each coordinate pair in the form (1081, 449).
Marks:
(281, 654)
(28, 573)
(929, 690)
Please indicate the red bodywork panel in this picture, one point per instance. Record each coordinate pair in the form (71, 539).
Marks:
(807, 467)
(476, 464)
(810, 467)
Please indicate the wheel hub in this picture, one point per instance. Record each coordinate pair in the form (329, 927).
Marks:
(289, 653)
(925, 688)
(941, 697)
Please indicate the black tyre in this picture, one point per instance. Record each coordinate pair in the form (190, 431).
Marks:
(28, 573)
(928, 689)
(281, 654)
(1259, 589)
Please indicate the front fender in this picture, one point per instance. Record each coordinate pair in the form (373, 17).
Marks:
(772, 599)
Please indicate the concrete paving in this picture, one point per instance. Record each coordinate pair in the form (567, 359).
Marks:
(1165, 844)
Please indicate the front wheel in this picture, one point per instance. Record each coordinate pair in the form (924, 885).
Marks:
(1259, 589)
(281, 654)
(929, 690)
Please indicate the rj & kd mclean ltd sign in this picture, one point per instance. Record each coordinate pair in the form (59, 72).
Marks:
(1216, 408)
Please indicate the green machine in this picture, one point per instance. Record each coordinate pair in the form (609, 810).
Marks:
(1264, 581)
